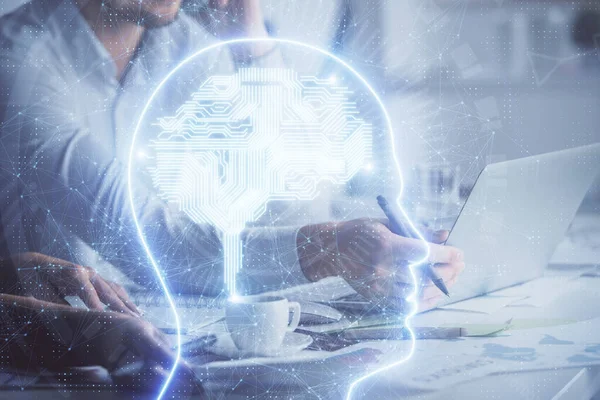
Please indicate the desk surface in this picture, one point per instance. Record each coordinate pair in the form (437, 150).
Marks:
(513, 378)
(576, 301)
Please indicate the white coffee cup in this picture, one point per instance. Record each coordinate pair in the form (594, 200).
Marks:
(258, 324)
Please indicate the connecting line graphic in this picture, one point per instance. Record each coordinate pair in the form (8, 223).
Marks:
(304, 130)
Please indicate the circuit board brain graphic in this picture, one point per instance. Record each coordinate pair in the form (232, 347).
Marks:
(260, 134)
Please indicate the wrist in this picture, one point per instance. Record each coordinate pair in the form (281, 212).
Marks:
(315, 246)
(253, 22)
(256, 29)
(245, 52)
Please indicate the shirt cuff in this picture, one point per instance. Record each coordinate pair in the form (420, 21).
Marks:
(270, 260)
(271, 59)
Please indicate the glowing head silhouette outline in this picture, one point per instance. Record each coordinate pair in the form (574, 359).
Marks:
(259, 134)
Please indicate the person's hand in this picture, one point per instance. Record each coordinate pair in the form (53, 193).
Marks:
(375, 261)
(449, 271)
(50, 279)
(135, 353)
(233, 19)
(150, 378)
(140, 357)
(59, 336)
(229, 19)
(121, 340)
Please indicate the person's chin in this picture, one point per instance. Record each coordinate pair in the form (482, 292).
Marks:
(157, 20)
(159, 17)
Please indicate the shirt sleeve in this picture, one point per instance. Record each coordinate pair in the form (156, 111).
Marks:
(56, 171)
(270, 260)
(271, 59)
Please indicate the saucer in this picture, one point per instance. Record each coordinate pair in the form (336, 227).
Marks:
(292, 343)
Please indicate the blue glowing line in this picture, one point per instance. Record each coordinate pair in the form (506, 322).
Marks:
(413, 295)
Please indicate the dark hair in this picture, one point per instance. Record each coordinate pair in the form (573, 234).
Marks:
(586, 29)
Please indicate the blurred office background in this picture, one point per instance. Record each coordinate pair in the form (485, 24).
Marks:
(467, 82)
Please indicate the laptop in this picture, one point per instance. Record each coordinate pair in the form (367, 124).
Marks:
(515, 216)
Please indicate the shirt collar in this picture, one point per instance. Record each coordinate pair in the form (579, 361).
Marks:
(88, 54)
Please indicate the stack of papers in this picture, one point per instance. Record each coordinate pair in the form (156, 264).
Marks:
(567, 346)
(435, 365)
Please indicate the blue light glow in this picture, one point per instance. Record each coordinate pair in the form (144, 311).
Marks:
(239, 222)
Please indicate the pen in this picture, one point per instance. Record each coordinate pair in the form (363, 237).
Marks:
(401, 333)
(397, 227)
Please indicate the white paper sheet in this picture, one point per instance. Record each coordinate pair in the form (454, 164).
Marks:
(189, 318)
(325, 290)
(484, 304)
(436, 364)
(539, 292)
(565, 346)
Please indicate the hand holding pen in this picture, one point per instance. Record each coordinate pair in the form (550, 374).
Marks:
(397, 226)
(374, 261)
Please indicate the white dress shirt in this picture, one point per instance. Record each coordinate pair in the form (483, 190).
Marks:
(67, 125)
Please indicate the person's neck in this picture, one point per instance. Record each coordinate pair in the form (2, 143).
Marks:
(120, 38)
